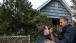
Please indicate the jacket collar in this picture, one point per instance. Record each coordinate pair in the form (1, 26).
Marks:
(64, 28)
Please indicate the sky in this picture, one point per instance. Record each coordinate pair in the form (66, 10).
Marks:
(1, 1)
(37, 3)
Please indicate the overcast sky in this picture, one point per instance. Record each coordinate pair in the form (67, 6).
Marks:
(37, 3)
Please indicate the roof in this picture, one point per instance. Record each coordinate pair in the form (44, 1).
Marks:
(62, 1)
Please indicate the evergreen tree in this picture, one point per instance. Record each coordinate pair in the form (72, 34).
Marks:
(17, 14)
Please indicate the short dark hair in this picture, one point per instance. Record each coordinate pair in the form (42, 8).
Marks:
(49, 27)
(64, 18)
(41, 29)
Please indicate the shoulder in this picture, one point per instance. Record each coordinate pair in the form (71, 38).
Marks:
(70, 29)
(41, 39)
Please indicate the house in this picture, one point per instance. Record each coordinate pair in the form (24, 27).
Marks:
(55, 9)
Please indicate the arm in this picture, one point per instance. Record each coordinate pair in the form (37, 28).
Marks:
(49, 41)
(68, 36)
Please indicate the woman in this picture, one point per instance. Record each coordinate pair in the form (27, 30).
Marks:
(52, 35)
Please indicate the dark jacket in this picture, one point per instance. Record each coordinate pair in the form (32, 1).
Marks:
(74, 41)
(67, 34)
(42, 39)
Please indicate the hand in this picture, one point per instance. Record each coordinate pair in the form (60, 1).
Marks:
(48, 41)
(55, 34)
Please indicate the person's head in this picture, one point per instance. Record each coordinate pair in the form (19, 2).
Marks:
(63, 21)
(43, 30)
(50, 29)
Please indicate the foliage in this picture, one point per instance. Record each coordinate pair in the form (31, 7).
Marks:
(17, 14)
(74, 7)
(74, 24)
(74, 4)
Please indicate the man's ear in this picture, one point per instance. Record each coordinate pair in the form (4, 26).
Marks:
(66, 22)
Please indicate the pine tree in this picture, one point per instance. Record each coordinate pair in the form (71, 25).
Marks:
(17, 14)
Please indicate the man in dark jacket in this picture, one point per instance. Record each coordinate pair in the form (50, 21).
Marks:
(44, 34)
(67, 34)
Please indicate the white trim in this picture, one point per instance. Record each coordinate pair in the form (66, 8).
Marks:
(67, 6)
(62, 1)
(43, 4)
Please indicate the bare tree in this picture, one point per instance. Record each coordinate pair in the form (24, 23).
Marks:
(74, 7)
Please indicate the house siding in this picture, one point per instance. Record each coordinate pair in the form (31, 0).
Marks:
(55, 9)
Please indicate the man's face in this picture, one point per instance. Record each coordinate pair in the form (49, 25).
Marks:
(63, 22)
(46, 30)
(51, 30)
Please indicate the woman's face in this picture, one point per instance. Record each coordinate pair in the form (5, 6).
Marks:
(51, 30)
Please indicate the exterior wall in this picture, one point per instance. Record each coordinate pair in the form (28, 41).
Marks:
(55, 9)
